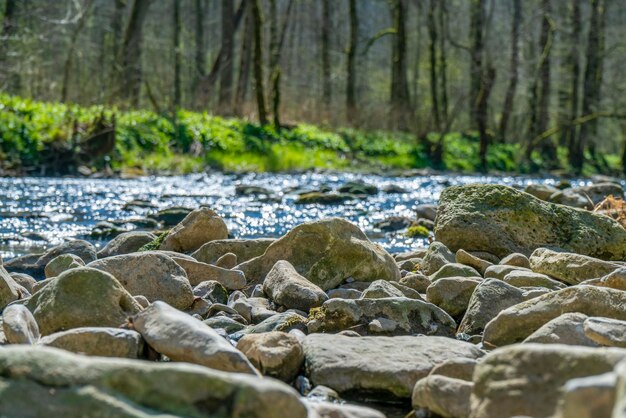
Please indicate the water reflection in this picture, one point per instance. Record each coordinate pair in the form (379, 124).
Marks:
(40, 212)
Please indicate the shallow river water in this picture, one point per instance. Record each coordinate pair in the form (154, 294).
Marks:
(40, 212)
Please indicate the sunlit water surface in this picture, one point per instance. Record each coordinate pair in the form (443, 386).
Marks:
(36, 213)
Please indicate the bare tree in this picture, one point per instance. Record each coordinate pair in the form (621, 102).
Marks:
(507, 108)
(400, 100)
(227, 57)
(177, 54)
(351, 109)
(82, 15)
(258, 62)
(132, 72)
(326, 93)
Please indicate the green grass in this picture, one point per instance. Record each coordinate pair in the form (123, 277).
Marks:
(147, 142)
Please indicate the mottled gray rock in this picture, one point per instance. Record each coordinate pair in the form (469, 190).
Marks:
(47, 382)
(19, 325)
(615, 280)
(444, 396)
(25, 281)
(564, 329)
(381, 289)
(502, 220)
(199, 227)
(523, 278)
(126, 243)
(244, 249)
(155, 276)
(517, 260)
(412, 316)
(198, 272)
(286, 287)
(606, 331)
(588, 397)
(9, 289)
(62, 263)
(436, 257)
(82, 297)
(452, 294)
(569, 268)
(183, 338)
(276, 354)
(98, 341)
(379, 366)
(480, 265)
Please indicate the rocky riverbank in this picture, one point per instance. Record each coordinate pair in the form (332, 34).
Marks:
(517, 308)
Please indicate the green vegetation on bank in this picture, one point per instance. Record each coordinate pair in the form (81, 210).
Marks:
(31, 132)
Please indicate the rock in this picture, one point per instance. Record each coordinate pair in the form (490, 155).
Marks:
(381, 289)
(212, 291)
(24, 280)
(445, 396)
(407, 255)
(457, 368)
(502, 220)
(9, 289)
(227, 261)
(244, 249)
(454, 270)
(412, 264)
(319, 409)
(463, 257)
(326, 252)
(286, 287)
(411, 315)
(597, 192)
(568, 197)
(285, 322)
(106, 230)
(155, 276)
(416, 281)
(541, 191)
(276, 354)
(358, 187)
(394, 223)
(19, 325)
(569, 268)
(255, 310)
(199, 227)
(619, 411)
(126, 243)
(81, 297)
(171, 216)
(35, 265)
(62, 263)
(251, 190)
(42, 381)
(489, 298)
(394, 189)
(198, 272)
(184, 338)
(606, 331)
(344, 294)
(526, 379)
(588, 397)
(519, 321)
(384, 367)
(522, 278)
(92, 341)
(501, 271)
(517, 260)
(452, 294)
(615, 280)
(564, 329)
(427, 211)
(322, 198)
(223, 322)
(436, 257)
(142, 300)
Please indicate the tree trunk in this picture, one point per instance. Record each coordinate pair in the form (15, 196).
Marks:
(132, 76)
(200, 58)
(400, 103)
(67, 67)
(591, 93)
(507, 108)
(434, 94)
(569, 97)
(477, 22)
(351, 109)
(245, 59)
(326, 93)
(489, 77)
(258, 62)
(276, 98)
(548, 148)
(177, 55)
(226, 71)
(8, 28)
(443, 62)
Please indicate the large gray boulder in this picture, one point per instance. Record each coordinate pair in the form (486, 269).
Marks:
(501, 220)
(286, 287)
(326, 252)
(276, 354)
(81, 297)
(519, 321)
(384, 367)
(19, 325)
(98, 341)
(9, 289)
(526, 379)
(386, 316)
(199, 227)
(569, 268)
(153, 275)
(182, 337)
(564, 329)
(48, 382)
(62, 263)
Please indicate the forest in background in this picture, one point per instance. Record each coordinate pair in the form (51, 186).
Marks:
(542, 77)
